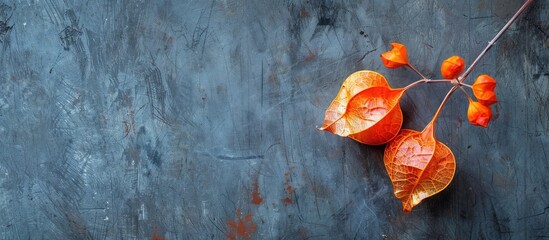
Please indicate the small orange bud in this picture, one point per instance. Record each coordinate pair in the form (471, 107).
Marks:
(395, 58)
(478, 114)
(452, 67)
(483, 88)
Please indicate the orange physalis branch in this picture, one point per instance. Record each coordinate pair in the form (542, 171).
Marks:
(367, 109)
(493, 41)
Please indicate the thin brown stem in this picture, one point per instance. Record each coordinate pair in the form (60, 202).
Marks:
(437, 113)
(467, 85)
(415, 70)
(415, 83)
(466, 94)
(493, 41)
(440, 80)
(426, 81)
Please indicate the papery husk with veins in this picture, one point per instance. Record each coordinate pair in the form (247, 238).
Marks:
(419, 166)
(366, 109)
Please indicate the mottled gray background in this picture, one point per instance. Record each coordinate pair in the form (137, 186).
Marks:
(119, 117)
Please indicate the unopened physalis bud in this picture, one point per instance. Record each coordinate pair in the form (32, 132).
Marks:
(452, 67)
(395, 58)
(483, 88)
(478, 114)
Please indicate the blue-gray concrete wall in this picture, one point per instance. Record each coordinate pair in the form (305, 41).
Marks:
(125, 116)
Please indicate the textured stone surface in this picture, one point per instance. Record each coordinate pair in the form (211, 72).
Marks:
(198, 119)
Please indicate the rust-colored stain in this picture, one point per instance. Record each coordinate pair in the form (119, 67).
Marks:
(241, 227)
(309, 57)
(288, 188)
(303, 12)
(256, 197)
(287, 200)
(155, 235)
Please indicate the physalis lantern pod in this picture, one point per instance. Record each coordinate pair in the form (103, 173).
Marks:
(479, 114)
(366, 109)
(395, 58)
(483, 88)
(452, 67)
(419, 166)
